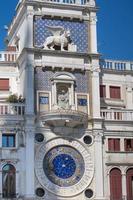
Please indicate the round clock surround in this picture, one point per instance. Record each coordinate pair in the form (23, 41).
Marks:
(64, 167)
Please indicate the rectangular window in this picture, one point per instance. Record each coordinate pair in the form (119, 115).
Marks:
(8, 140)
(114, 144)
(44, 101)
(115, 92)
(102, 91)
(128, 144)
(82, 103)
(4, 84)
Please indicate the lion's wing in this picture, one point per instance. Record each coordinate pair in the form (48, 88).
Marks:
(55, 30)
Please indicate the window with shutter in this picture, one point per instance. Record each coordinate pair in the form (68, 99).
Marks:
(102, 91)
(4, 84)
(128, 144)
(114, 144)
(115, 92)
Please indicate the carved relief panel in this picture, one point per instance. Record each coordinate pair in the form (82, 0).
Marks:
(59, 34)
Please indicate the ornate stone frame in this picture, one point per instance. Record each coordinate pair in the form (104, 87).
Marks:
(64, 78)
(55, 189)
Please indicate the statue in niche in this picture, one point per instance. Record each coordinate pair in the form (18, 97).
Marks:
(60, 39)
(63, 99)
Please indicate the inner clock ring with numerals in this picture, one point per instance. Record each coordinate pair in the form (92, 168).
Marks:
(63, 165)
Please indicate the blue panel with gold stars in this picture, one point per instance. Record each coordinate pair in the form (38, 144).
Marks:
(78, 30)
(64, 166)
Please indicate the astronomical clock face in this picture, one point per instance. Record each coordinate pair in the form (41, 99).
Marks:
(63, 167)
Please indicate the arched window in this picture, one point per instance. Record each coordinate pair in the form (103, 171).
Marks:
(8, 181)
(129, 177)
(115, 184)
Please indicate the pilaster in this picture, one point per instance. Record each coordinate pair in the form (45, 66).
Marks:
(93, 33)
(0, 138)
(30, 157)
(29, 38)
(129, 97)
(95, 94)
(29, 87)
(124, 192)
(99, 166)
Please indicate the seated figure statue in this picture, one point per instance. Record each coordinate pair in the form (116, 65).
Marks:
(63, 100)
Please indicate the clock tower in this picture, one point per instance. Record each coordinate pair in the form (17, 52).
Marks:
(58, 67)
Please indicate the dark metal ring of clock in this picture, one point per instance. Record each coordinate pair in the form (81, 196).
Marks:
(39, 137)
(63, 165)
(87, 139)
(89, 193)
(40, 192)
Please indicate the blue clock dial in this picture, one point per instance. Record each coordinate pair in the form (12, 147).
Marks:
(63, 165)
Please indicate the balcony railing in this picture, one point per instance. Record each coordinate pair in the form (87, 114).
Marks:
(120, 115)
(8, 56)
(12, 109)
(77, 2)
(116, 65)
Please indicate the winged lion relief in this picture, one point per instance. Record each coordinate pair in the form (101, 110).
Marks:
(60, 38)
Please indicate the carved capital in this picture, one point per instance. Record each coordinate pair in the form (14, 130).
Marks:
(29, 131)
(93, 19)
(98, 136)
(94, 68)
(129, 89)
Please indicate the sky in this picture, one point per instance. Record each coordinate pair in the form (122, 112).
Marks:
(114, 30)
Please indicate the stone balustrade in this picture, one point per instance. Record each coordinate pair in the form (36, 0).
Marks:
(120, 115)
(77, 2)
(12, 109)
(116, 65)
(8, 56)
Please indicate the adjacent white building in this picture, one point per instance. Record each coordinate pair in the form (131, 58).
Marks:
(66, 116)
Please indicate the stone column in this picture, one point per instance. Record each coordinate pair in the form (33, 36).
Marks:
(93, 33)
(122, 146)
(1, 181)
(108, 186)
(29, 167)
(29, 28)
(71, 95)
(124, 191)
(95, 94)
(17, 183)
(129, 97)
(107, 92)
(0, 138)
(54, 96)
(29, 88)
(99, 176)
